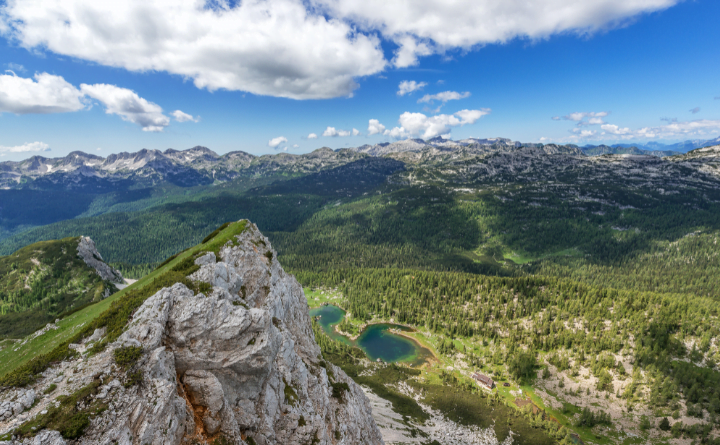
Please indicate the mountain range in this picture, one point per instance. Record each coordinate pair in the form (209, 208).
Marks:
(202, 166)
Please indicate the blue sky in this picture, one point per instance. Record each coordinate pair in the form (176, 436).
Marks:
(609, 71)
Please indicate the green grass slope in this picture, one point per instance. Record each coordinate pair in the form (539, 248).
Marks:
(41, 281)
(21, 362)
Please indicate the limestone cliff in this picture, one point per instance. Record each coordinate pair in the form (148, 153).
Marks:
(236, 363)
(88, 252)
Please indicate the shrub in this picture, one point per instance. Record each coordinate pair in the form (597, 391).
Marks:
(133, 378)
(66, 417)
(645, 423)
(127, 356)
(664, 424)
(290, 395)
(75, 426)
(339, 389)
(50, 389)
(522, 365)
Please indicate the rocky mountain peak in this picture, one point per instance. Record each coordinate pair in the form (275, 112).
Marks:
(89, 253)
(235, 359)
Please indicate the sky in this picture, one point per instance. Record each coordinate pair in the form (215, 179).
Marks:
(267, 76)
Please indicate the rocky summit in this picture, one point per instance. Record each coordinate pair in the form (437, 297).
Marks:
(233, 361)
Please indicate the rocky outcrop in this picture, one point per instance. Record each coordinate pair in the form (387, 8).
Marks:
(15, 403)
(89, 253)
(239, 362)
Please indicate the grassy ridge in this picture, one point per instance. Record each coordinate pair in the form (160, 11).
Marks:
(41, 281)
(20, 364)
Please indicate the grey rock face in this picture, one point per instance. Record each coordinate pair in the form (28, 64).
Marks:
(47, 437)
(88, 252)
(15, 402)
(241, 362)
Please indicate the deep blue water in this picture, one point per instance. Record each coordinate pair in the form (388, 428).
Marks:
(376, 340)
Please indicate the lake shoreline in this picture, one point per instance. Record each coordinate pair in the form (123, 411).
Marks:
(392, 328)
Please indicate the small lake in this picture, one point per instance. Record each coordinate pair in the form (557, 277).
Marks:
(376, 340)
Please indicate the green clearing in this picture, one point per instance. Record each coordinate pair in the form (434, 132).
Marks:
(519, 257)
(316, 297)
(11, 358)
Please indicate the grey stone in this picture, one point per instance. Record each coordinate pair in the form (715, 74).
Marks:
(209, 366)
(88, 252)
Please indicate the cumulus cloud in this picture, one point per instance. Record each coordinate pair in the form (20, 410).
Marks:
(279, 48)
(408, 86)
(274, 142)
(128, 105)
(26, 147)
(333, 132)
(301, 49)
(312, 136)
(443, 97)
(420, 125)
(295, 145)
(409, 50)
(674, 129)
(44, 93)
(15, 67)
(375, 127)
(584, 118)
(436, 26)
(184, 117)
(695, 110)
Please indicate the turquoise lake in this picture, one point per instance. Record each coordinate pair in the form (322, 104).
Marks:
(376, 340)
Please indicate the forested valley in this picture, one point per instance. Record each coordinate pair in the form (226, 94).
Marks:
(597, 297)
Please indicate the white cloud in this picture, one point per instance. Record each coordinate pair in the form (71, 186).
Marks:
(301, 49)
(330, 132)
(695, 110)
(584, 118)
(443, 97)
(438, 25)
(47, 93)
(672, 130)
(128, 105)
(614, 129)
(274, 142)
(184, 117)
(409, 50)
(375, 127)
(295, 145)
(312, 136)
(333, 132)
(577, 117)
(26, 147)
(408, 86)
(277, 48)
(15, 67)
(418, 124)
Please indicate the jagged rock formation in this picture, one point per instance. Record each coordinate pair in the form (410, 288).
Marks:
(89, 253)
(15, 403)
(195, 166)
(238, 361)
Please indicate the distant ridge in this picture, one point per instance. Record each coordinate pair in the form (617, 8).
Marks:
(201, 166)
